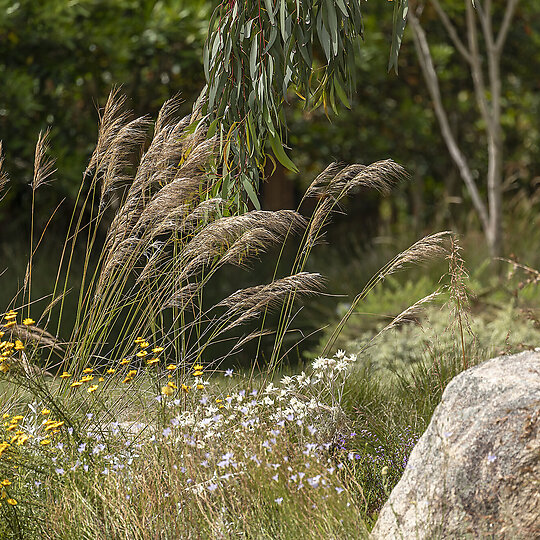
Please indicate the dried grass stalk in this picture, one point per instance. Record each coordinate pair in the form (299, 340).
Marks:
(338, 181)
(249, 303)
(216, 239)
(38, 336)
(4, 179)
(113, 119)
(183, 298)
(410, 314)
(118, 157)
(43, 165)
(425, 249)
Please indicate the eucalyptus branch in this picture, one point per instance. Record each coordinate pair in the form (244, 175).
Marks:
(257, 53)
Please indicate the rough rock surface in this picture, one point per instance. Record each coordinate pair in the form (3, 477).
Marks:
(475, 473)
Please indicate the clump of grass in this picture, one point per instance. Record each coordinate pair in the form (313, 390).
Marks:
(118, 430)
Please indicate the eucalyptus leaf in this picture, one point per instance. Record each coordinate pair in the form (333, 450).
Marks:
(279, 152)
(270, 10)
(341, 93)
(257, 51)
(401, 8)
(248, 187)
(253, 57)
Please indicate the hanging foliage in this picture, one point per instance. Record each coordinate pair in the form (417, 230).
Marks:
(256, 53)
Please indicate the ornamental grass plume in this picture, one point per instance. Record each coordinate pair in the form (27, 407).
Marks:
(4, 178)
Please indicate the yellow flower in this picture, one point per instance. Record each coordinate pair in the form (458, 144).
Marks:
(197, 367)
(144, 344)
(6, 346)
(11, 427)
(172, 385)
(9, 324)
(92, 388)
(171, 367)
(167, 390)
(19, 345)
(139, 340)
(101, 379)
(152, 361)
(86, 378)
(130, 375)
(10, 315)
(4, 368)
(157, 350)
(54, 425)
(28, 321)
(12, 502)
(5, 415)
(22, 439)
(185, 388)
(197, 373)
(142, 354)
(45, 412)
(65, 375)
(5, 482)
(124, 361)
(44, 442)
(88, 370)
(76, 383)
(110, 371)
(17, 417)
(200, 387)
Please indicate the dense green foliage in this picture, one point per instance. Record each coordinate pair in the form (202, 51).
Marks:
(59, 60)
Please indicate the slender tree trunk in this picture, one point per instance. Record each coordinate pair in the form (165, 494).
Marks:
(490, 211)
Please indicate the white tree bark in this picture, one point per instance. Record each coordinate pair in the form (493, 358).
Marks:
(489, 209)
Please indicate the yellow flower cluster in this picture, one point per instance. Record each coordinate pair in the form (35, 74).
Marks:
(17, 436)
(142, 353)
(11, 319)
(4, 494)
(169, 389)
(7, 349)
(197, 370)
(130, 375)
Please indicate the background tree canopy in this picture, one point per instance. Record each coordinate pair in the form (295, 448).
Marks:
(59, 60)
